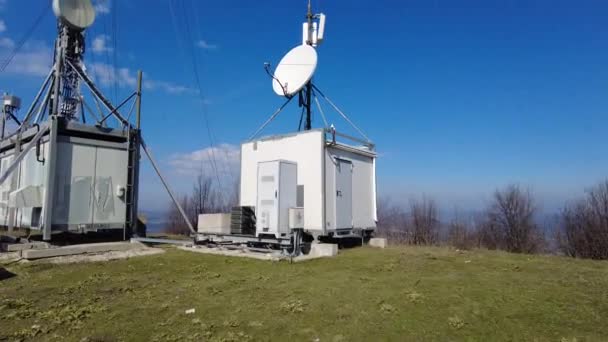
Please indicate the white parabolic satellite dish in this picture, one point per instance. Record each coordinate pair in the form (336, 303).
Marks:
(78, 14)
(295, 70)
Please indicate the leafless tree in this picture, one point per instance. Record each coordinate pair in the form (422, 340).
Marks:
(234, 198)
(201, 197)
(392, 221)
(460, 233)
(205, 198)
(420, 226)
(175, 221)
(584, 231)
(510, 222)
(490, 235)
(424, 222)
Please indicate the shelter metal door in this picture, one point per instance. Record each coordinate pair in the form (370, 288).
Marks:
(110, 176)
(344, 197)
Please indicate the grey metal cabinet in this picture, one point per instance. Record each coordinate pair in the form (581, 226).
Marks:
(277, 192)
(90, 184)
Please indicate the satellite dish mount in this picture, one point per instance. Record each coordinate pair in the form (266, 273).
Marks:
(293, 76)
(312, 35)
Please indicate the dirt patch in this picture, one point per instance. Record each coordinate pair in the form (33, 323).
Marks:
(9, 256)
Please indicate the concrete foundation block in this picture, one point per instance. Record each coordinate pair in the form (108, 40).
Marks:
(214, 223)
(15, 247)
(78, 249)
(378, 242)
(323, 250)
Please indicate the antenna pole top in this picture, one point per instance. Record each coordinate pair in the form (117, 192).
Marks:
(314, 27)
(309, 14)
(308, 25)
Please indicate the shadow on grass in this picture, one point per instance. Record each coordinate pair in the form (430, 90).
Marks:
(4, 274)
(343, 242)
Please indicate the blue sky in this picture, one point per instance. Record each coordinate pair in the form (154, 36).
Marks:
(460, 97)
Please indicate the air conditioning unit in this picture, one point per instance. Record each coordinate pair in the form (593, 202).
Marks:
(296, 218)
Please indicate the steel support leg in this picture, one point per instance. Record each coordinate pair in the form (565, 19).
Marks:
(47, 211)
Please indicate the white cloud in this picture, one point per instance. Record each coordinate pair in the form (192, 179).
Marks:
(167, 87)
(226, 157)
(100, 43)
(203, 44)
(34, 59)
(102, 6)
(105, 75)
(6, 43)
(2, 26)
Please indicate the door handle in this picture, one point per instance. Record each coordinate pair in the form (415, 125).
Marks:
(339, 193)
(275, 194)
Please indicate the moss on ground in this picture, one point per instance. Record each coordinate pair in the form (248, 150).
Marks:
(363, 294)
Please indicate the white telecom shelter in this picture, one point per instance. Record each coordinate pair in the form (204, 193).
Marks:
(306, 185)
(335, 183)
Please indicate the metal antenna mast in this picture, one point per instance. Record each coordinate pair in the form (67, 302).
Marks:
(306, 93)
(69, 49)
(293, 75)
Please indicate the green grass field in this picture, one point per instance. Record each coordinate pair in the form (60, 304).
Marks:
(364, 294)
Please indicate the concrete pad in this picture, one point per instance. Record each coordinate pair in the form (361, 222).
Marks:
(14, 247)
(323, 250)
(10, 256)
(378, 242)
(106, 256)
(79, 249)
(317, 251)
(243, 253)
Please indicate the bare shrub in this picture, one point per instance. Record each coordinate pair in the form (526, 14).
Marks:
(206, 198)
(584, 228)
(392, 221)
(510, 222)
(460, 234)
(419, 227)
(490, 235)
(201, 196)
(424, 224)
(175, 221)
